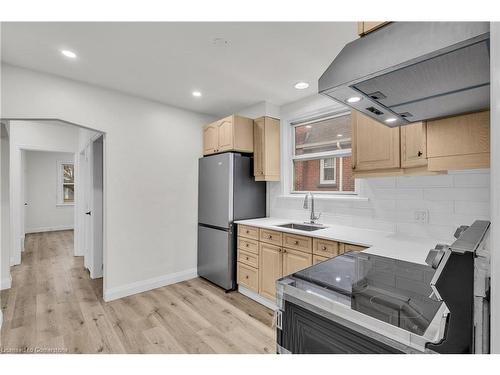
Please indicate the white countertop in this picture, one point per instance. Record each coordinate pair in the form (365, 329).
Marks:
(386, 244)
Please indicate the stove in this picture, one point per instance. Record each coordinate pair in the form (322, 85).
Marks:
(364, 303)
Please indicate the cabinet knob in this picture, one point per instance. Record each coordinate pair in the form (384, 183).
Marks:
(419, 153)
(323, 248)
(246, 277)
(246, 258)
(296, 242)
(247, 245)
(279, 250)
(284, 250)
(270, 237)
(248, 231)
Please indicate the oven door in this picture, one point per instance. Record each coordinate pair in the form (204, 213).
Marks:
(305, 332)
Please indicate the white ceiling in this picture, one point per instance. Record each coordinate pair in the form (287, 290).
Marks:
(167, 61)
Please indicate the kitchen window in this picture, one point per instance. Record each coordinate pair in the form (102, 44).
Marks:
(322, 155)
(66, 183)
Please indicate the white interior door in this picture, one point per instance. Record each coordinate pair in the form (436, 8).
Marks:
(86, 207)
(24, 202)
(97, 209)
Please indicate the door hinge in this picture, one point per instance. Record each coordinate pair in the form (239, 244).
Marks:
(279, 319)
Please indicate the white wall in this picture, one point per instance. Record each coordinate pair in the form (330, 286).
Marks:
(32, 135)
(43, 213)
(495, 184)
(151, 173)
(260, 109)
(452, 200)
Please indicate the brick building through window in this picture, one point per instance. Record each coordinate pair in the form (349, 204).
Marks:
(322, 155)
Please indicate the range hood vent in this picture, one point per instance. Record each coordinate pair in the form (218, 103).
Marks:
(413, 71)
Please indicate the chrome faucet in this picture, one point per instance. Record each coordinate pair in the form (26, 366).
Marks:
(313, 218)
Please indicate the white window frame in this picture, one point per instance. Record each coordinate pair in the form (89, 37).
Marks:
(322, 180)
(317, 155)
(61, 183)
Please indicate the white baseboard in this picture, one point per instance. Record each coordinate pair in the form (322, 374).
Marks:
(257, 298)
(49, 229)
(149, 284)
(6, 283)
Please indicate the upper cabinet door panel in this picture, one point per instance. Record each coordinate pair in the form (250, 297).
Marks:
(210, 139)
(375, 145)
(225, 133)
(258, 147)
(414, 145)
(459, 135)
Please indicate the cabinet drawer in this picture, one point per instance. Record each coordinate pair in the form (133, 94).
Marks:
(248, 232)
(318, 259)
(325, 248)
(271, 236)
(347, 247)
(248, 245)
(248, 277)
(248, 258)
(293, 241)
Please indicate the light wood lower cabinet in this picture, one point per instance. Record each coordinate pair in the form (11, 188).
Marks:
(295, 260)
(318, 259)
(264, 256)
(270, 269)
(248, 277)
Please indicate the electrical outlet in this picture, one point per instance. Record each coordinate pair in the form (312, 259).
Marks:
(421, 216)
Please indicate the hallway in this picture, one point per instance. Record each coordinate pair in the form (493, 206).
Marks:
(53, 306)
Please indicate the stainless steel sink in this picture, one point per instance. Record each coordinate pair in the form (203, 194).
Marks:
(304, 227)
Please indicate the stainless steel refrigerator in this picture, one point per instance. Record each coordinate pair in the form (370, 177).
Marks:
(227, 191)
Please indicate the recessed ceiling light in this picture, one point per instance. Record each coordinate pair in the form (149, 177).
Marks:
(391, 119)
(301, 85)
(68, 53)
(196, 94)
(339, 135)
(353, 99)
(308, 126)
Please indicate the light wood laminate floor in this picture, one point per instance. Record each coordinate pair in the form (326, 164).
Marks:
(53, 306)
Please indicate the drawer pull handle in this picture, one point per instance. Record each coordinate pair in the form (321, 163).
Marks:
(323, 248)
(296, 242)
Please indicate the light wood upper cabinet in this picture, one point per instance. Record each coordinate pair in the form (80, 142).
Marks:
(375, 146)
(233, 133)
(225, 133)
(266, 149)
(295, 260)
(366, 27)
(414, 145)
(270, 269)
(210, 139)
(459, 142)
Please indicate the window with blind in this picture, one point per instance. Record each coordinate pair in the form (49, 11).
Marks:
(321, 159)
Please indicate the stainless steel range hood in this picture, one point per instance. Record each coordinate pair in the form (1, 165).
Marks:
(412, 71)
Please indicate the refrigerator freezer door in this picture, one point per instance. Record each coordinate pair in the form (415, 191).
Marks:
(215, 190)
(216, 258)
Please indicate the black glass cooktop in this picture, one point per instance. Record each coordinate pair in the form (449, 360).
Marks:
(390, 290)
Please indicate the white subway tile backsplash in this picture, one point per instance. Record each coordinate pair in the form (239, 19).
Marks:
(457, 194)
(472, 180)
(457, 198)
(424, 181)
(472, 208)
